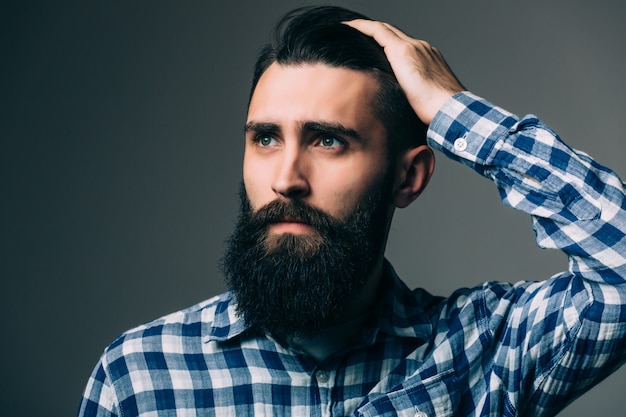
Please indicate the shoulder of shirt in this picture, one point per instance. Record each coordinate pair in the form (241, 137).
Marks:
(417, 313)
(198, 320)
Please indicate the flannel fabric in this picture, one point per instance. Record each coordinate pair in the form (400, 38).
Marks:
(499, 349)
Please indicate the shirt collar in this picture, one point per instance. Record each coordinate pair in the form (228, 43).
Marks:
(224, 322)
(402, 313)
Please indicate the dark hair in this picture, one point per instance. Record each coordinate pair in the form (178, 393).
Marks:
(310, 35)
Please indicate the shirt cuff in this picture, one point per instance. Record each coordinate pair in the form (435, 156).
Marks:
(467, 127)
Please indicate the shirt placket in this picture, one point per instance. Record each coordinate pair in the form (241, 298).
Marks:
(323, 382)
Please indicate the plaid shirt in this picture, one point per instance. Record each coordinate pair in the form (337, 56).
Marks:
(496, 350)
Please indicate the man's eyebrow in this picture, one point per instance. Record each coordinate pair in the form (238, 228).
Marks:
(332, 128)
(320, 127)
(261, 127)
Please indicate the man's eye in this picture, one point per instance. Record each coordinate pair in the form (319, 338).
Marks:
(331, 141)
(265, 140)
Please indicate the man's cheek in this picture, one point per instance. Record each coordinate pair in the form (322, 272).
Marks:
(254, 199)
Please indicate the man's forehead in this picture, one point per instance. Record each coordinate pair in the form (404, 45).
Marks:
(312, 92)
(318, 75)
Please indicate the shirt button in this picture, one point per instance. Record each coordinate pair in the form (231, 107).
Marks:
(460, 145)
(421, 414)
(322, 377)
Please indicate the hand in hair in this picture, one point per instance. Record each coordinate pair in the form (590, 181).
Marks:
(420, 68)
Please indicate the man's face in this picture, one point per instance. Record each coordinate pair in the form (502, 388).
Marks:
(315, 203)
(312, 135)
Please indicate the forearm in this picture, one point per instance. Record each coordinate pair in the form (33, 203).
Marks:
(577, 205)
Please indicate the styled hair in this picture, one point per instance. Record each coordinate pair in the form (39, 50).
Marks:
(316, 35)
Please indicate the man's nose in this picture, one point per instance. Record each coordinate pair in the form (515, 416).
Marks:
(291, 180)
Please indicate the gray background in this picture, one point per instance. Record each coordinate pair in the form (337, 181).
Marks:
(121, 139)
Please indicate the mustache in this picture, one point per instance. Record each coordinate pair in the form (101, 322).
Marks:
(294, 210)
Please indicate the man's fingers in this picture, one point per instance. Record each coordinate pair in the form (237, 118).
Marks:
(381, 33)
(399, 33)
(384, 33)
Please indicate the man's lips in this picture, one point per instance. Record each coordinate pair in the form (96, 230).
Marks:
(290, 224)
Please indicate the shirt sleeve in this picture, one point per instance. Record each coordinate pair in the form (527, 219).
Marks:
(561, 336)
(99, 397)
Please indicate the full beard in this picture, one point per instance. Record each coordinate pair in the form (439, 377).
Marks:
(293, 285)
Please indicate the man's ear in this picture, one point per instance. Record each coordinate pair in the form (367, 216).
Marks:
(414, 170)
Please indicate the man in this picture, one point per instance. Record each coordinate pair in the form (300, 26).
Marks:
(317, 322)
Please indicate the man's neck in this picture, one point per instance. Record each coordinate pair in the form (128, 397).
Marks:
(363, 301)
(331, 339)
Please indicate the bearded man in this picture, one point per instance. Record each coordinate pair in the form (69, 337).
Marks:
(316, 322)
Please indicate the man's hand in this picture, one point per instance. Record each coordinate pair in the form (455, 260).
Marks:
(420, 68)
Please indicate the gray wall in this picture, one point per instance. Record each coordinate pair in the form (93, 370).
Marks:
(121, 139)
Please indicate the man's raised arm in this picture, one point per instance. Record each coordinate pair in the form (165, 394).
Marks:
(554, 339)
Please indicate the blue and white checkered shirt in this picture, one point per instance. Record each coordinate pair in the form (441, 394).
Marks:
(496, 350)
